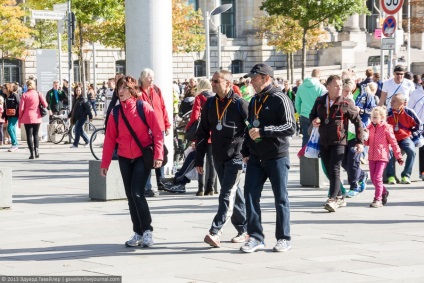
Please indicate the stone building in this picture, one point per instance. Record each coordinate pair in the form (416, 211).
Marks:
(350, 47)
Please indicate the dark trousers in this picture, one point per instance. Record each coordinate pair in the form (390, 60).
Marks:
(208, 179)
(79, 131)
(352, 163)
(134, 175)
(421, 158)
(231, 201)
(332, 156)
(188, 165)
(304, 127)
(257, 172)
(31, 131)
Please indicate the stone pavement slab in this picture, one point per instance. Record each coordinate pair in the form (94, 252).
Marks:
(53, 228)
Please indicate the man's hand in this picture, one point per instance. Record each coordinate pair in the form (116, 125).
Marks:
(254, 133)
(103, 172)
(157, 163)
(316, 122)
(199, 169)
(166, 132)
(245, 159)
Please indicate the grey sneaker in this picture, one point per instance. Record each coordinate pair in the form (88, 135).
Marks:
(252, 245)
(341, 202)
(135, 241)
(385, 196)
(147, 238)
(331, 205)
(212, 240)
(376, 204)
(282, 246)
(240, 238)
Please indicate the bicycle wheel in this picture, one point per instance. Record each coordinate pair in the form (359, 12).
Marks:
(57, 130)
(96, 143)
(89, 129)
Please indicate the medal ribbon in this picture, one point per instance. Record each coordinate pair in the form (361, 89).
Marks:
(328, 108)
(260, 107)
(217, 110)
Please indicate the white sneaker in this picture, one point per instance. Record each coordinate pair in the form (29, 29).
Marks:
(73, 146)
(252, 245)
(240, 238)
(13, 148)
(282, 246)
(212, 240)
(135, 241)
(147, 238)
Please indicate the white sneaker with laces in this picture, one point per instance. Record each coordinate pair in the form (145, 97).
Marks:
(135, 241)
(13, 148)
(252, 245)
(282, 246)
(240, 238)
(73, 146)
(147, 238)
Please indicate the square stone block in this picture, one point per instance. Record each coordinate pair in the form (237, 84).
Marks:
(5, 187)
(311, 173)
(106, 188)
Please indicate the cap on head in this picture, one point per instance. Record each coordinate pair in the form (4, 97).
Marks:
(399, 68)
(261, 68)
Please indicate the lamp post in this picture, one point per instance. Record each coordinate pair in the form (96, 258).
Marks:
(218, 10)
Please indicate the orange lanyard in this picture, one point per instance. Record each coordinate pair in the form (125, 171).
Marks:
(217, 110)
(260, 107)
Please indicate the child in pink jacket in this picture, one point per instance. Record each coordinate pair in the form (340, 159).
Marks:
(381, 137)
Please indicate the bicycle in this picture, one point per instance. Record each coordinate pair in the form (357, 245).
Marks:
(60, 127)
(97, 140)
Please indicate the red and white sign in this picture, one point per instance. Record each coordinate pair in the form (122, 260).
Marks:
(391, 7)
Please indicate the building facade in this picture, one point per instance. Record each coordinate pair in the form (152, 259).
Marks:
(349, 47)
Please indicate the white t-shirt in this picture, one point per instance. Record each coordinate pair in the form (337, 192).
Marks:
(108, 96)
(392, 88)
(416, 102)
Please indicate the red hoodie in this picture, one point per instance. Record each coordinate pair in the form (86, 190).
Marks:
(127, 147)
(155, 99)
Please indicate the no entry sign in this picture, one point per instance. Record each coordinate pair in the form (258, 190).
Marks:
(391, 7)
(389, 26)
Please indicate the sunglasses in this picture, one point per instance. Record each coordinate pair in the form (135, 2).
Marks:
(215, 81)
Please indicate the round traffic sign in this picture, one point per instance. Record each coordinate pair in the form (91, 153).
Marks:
(391, 7)
(389, 26)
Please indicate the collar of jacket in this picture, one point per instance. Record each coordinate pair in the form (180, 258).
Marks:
(229, 95)
(265, 90)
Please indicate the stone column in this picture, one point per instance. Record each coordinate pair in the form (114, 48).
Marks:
(148, 31)
(352, 32)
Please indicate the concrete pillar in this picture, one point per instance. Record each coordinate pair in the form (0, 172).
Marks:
(148, 30)
(352, 23)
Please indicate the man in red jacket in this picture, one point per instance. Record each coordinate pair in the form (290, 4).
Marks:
(152, 95)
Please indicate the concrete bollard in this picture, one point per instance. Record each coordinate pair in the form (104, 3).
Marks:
(106, 188)
(5, 187)
(311, 174)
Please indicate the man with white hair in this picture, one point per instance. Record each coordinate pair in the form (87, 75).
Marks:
(153, 95)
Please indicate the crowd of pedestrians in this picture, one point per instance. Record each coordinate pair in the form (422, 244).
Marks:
(244, 124)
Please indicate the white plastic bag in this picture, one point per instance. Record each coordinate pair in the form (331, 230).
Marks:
(312, 147)
(192, 174)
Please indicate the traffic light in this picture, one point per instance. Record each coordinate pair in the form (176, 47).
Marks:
(72, 21)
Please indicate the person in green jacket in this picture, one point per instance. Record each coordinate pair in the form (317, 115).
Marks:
(306, 94)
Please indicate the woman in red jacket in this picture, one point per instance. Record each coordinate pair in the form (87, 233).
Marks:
(30, 116)
(133, 171)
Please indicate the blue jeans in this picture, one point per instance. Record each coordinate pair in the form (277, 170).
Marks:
(93, 105)
(79, 131)
(352, 163)
(257, 172)
(11, 129)
(188, 165)
(408, 146)
(134, 175)
(304, 126)
(231, 201)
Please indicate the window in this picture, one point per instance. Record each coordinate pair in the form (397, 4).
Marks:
(195, 4)
(12, 71)
(120, 67)
(199, 68)
(236, 66)
(228, 19)
(77, 71)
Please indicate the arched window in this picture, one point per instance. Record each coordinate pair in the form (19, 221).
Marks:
(77, 71)
(236, 66)
(12, 70)
(199, 68)
(120, 67)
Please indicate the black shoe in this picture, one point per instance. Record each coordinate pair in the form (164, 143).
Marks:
(200, 193)
(161, 186)
(167, 182)
(180, 188)
(151, 194)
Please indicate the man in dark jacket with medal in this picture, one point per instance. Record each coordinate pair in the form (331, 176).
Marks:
(266, 152)
(222, 120)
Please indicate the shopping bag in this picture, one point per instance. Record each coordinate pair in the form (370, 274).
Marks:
(312, 147)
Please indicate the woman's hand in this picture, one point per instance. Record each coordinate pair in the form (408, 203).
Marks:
(316, 122)
(103, 172)
(157, 163)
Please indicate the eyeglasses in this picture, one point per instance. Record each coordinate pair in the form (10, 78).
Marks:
(399, 74)
(215, 81)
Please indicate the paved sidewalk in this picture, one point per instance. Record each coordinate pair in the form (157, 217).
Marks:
(53, 228)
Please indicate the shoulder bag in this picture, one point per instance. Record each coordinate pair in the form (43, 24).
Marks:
(43, 110)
